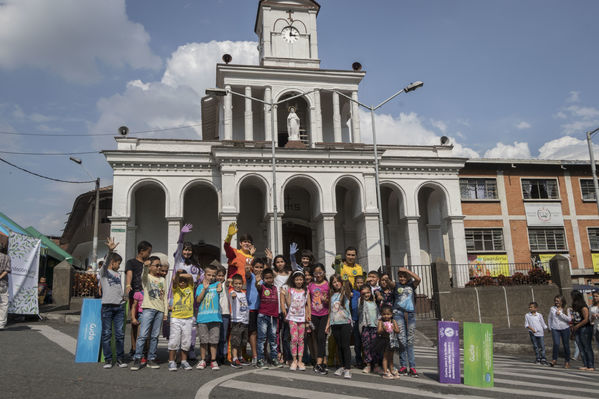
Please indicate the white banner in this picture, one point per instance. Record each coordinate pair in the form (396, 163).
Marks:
(24, 252)
(540, 214)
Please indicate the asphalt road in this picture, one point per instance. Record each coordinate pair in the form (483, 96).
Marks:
(37, 361)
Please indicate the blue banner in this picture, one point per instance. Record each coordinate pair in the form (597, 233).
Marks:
(90, 332)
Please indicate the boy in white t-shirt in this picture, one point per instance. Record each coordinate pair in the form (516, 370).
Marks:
(536, 326)
(240, 316)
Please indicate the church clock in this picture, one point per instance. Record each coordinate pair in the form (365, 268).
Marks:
(290, 34)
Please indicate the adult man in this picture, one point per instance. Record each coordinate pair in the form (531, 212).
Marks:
(4, 270)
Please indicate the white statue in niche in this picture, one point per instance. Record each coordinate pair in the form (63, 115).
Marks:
(293, 125)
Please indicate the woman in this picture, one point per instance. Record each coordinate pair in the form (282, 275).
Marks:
(559, 324)
(583, 330)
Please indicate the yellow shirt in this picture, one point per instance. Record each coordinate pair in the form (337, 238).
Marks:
(182, 303)
(349, 273)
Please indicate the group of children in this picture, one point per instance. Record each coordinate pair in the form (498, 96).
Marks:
(577, 323)
(284, 310)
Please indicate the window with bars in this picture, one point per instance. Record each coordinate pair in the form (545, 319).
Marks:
(588, 189)
(474, 189)
(482, 240)
(594, 238)
(547, 239)
(540, 189)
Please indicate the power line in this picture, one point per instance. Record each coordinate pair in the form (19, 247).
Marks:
(45, 177)
(49, 153)
(97, 134)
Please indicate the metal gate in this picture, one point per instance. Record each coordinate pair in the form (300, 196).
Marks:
(424, 299)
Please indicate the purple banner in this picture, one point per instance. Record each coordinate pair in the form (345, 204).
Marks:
(448, 352)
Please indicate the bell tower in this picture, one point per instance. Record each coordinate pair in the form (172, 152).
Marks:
(287, 33)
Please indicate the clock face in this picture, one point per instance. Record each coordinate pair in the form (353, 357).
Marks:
(290, 34)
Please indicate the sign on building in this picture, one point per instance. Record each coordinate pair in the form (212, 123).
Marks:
(542, 214)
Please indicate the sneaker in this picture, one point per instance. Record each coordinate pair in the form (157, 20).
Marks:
(261, 364)
(403, 371)
(323, 369)
(244, 362)
(201, 365)
(413, 372)
(153, 364)
(108, 364)
(544, 362)
(275, 363)
(347, 374)
(121, 363)
(366, 370)
(236, 364)
(172, 366)
(293, 366)
(537, 362)
(185, 365)
(301, 367)
(339, 371)
(214, 366)
(136, 365)
(388, 376)
(144, 361)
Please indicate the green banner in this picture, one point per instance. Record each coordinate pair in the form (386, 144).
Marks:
(478, 355)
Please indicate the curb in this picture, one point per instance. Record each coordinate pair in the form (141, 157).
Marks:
(61, 317)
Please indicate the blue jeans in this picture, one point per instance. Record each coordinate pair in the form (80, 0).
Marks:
(150, 323)
(113, 314)
(267, 329)
(538, 344)
(407, 330)
(357, 342)
(565, 337)
(221, 353)
(584, 339)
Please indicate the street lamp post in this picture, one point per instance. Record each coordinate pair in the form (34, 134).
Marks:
(593, 167)
(218, 92)
(96, 213)
(407, 89)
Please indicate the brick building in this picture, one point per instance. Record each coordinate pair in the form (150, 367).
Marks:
(525, 211)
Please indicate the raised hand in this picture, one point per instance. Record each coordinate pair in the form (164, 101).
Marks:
(232, 229)
(187, 228)
(111, 244)
(206, 284)
(293, 248)
(252, 250)
(219, 287)
(268, 253)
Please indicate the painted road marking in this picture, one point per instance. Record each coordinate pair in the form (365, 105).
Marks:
(63, 340)
(283, 391)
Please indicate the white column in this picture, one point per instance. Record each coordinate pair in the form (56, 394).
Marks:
(317, 114)
(275, 127)
(174, 228)
(267, 120)
(326, 238)
(505, 216)
(228, 115)
(225, 220)
(457, 240)
(355, 119)
(118, 230)
(413, 240)
(336, 118)
(372, 242)
(249, 123)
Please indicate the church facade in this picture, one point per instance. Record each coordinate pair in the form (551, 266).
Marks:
(325, 192)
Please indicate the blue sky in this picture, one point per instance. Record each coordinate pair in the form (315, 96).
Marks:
(514, 79)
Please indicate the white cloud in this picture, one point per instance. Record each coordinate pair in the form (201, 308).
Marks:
(567, 147)
(442, 126)
(518, 150)
(574, 97)
(406, 129)
(523, 125)
(69, 37)
(176, 99)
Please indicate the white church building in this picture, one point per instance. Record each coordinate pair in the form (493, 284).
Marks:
(325, 189)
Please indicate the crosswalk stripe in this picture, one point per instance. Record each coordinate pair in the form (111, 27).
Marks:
(63, 340)
(367, 385)
(282, 391)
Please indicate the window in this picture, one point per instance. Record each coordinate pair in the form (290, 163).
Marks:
(594, 238)
(475, 189)
(540, 189)
(547, 239)
(588, 189)
(478, 240)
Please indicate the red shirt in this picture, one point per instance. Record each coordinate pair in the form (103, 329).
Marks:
(269, 300)
(237, 261)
